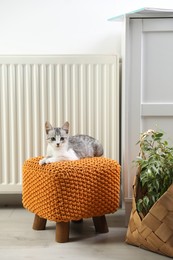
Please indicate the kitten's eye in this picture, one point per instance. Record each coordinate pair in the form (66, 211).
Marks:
(62, 139)
(53, 139)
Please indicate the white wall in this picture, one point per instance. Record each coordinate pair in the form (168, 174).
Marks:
(57, 27)
(64, 26)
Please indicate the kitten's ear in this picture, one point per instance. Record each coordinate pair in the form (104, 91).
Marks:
(66, 127)
(48, 127)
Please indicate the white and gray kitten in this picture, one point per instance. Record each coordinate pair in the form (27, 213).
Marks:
(62, 147)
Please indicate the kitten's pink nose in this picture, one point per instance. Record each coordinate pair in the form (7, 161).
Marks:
(57, 145)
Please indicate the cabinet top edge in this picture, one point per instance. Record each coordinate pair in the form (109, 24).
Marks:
(144, 12)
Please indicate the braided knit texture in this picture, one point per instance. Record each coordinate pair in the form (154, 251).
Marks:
(71, 190)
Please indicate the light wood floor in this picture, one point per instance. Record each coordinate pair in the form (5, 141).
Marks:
(18, 241)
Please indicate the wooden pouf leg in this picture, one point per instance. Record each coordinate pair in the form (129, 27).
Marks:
(78, 221)
(39, 223)
(62, 232)
(100, 224)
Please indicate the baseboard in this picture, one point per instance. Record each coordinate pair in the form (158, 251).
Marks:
(128, 208)
(8, 200)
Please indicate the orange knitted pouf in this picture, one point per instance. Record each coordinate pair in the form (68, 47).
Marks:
(71, 190)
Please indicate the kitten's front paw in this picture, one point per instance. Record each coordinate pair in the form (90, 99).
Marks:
(42, 161)
(49, 160)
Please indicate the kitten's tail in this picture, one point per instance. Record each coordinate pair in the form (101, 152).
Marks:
(99, 150)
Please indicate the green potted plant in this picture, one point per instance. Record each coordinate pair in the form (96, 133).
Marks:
(151, 220)
(155, 164)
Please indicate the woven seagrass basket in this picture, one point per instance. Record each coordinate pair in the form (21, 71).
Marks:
(155, 231)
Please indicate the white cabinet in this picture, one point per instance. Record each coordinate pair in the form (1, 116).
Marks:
(147, 84)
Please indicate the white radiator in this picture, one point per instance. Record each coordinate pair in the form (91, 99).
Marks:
(82, 89)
